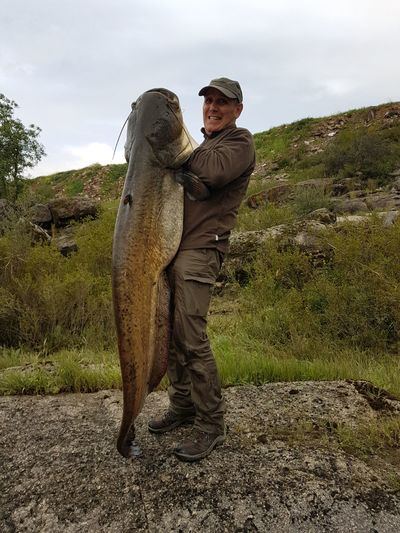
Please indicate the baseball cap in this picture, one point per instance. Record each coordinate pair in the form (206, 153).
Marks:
(229, 88)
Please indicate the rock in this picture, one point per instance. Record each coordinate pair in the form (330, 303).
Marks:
(396, 185)
(39, 235)
(65, 210)
(40, 214)
(316, 248)
(383, 200)
(273, 195)
(353, 219)
(349, 206)
(323, 215)
(281, 469)
(395, 173)
(245, 242)
(64, 240)
(390, 218)
(5, 207)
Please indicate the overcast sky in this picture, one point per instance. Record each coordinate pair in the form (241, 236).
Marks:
(75, 66)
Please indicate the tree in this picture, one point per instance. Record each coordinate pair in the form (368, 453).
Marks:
(19, 149)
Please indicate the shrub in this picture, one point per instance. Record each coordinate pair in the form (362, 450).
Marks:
(359, 150)
(354, 301)
(49, 301)
(308, 199)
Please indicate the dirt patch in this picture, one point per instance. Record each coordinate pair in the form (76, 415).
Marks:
(61, 472)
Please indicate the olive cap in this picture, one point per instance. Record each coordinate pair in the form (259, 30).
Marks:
(229, 88)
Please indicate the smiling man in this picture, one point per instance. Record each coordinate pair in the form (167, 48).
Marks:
(223, 162)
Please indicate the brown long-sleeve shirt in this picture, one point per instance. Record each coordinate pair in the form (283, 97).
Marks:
(224, 162)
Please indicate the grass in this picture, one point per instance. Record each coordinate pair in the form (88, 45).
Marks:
(241, 360)
(65, 371)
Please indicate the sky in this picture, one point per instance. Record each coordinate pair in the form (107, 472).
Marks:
(74, 67)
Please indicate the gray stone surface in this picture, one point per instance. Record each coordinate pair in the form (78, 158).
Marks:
(60, 471)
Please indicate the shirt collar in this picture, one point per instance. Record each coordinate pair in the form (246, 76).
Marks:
(216, 133)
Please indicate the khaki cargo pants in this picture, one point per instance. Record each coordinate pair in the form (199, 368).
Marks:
(194, 381)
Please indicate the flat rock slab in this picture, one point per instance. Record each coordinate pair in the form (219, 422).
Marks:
(60, 471)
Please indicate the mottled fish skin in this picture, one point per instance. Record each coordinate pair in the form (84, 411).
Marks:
(147, 235)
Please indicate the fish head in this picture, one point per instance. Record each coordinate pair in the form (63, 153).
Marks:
(157, 115)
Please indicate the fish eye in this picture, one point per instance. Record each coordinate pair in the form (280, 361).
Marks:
(133, 105)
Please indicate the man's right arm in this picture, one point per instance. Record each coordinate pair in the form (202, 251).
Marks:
(226, 161)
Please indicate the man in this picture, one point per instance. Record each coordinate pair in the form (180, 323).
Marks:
(223, 162)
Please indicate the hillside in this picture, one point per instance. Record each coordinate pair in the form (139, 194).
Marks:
(305, 149)
(304, 324)
(310, 289)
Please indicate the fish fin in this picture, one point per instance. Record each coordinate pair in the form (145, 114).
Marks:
(162, 332)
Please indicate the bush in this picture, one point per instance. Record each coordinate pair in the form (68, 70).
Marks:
(352, 302)
(359, 151)
(308, 199)
(48, 301)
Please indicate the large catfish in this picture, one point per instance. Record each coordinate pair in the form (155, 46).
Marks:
(147, 236)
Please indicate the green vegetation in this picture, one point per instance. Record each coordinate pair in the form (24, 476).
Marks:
(102, 181)
(49, 302)
(293, 320)
(364, 152)
(19, 149)
(67, 371)
(370, 151)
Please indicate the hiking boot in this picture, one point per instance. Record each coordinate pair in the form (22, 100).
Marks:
(167, 421)
(198, 445)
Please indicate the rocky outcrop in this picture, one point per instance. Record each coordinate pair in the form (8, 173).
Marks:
(322, 215)
(40, 214)
(57, 215)
(65, 241)
(306, 235)
(66, 210)
(362, 201)
(282, 468)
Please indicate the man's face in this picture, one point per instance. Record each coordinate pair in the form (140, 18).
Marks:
(219, 111)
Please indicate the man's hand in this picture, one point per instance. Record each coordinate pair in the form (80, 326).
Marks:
(194, 187)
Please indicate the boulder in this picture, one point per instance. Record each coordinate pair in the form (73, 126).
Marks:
(39, 235)
(322, 215)
(40, 214)
(349, 205)
(319, 252)
(390, 218)
(65, 242)
(65, 210)
(382, 200)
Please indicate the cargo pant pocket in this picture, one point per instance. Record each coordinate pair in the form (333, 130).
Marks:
(197, 295)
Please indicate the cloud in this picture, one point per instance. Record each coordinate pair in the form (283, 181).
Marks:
(75, 157)
(74, 71)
